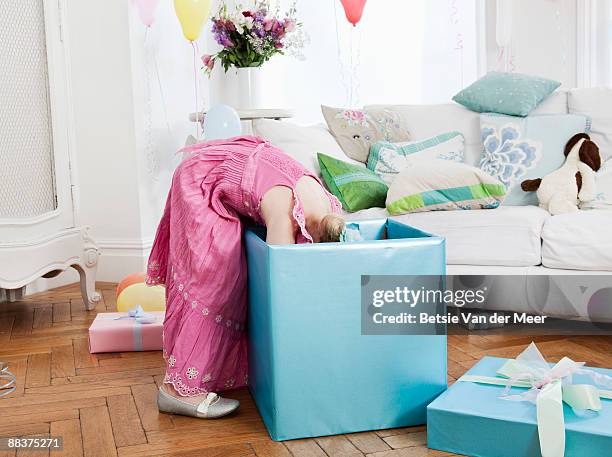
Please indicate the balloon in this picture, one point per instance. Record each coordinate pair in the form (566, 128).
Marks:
(133, 291)
(221, 122)
(353, 10)
(146, 10)
(192, 14)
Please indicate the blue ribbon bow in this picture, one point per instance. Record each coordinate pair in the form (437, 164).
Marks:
(139, 316)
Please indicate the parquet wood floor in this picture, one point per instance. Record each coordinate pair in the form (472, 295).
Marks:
(104, 405)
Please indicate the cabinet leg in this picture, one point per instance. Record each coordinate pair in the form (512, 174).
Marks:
(88, 286)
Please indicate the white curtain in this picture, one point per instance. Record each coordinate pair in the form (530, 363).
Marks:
(601, 43)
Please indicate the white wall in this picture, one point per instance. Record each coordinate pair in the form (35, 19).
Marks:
(126, 137)
(543, 38)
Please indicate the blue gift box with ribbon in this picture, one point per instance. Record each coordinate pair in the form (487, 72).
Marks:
(525, 407)
(311, 371)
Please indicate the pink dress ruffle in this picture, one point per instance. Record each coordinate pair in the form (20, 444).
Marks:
(199, 256)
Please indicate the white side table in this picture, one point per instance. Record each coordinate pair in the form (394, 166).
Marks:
(250, 114)
(245, 116)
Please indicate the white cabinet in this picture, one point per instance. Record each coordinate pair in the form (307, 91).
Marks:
(39, 231)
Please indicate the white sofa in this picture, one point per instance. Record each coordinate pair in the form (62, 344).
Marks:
(510, 240)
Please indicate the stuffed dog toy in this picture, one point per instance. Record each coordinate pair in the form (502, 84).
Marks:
(562, 190)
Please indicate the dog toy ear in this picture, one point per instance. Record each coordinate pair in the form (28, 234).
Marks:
(589, 154)
(573, 141)
(531, 185)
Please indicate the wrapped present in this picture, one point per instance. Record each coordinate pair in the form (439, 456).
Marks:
(525, 407)
(311, 370)
(122, 332)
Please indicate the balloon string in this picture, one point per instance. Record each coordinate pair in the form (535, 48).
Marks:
(357, 81)
(161, 93)
(352, 69)
(148, 115)
(340, 58)
(454, 17)
(195, 85)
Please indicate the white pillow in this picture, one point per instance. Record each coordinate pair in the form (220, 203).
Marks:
(432, 185)
(603, 189)
(425, 121)
(301, 142)
(595, 103)
(388, 159)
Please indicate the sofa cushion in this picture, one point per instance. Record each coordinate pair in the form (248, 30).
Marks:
(516, 149)
(301, 142)
(388, 159)
(514, 94)
(506, 236)
(356, 130)
(424, 121)
(356, 187)
(595, 103)
(578, 241)
(603, 186)
(443, 185)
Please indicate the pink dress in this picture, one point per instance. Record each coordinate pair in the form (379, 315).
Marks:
(199, 256)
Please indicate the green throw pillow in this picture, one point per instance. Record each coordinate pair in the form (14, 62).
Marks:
(506, 93)
(355, 186)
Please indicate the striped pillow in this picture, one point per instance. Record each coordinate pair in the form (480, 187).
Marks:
(388, 159)
(435, 184)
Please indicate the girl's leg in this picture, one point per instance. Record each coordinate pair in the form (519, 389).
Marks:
(194, 400)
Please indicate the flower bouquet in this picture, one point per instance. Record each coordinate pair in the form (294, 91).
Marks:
(250, 37)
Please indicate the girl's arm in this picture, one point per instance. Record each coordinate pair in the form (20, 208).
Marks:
(277, 213)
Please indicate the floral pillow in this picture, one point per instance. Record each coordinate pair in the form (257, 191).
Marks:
(356, 130)
(518, 148)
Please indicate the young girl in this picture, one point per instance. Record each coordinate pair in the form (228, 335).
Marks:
(198, 255)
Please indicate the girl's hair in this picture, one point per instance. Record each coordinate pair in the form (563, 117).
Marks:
(330, 228)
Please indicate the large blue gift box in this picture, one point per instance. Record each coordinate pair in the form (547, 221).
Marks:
(311, 371)
(471, 419)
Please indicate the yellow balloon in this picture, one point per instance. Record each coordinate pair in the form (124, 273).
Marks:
(191, 15)
(150, 298)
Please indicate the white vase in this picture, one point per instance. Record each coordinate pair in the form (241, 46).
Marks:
(240, 88)
(250, 93)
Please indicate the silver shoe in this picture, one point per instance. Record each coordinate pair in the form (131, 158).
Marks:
(212, 407)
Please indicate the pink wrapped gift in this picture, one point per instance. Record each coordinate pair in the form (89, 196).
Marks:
(131, 331)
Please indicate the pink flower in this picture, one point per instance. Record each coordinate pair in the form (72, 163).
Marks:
(208, 61)
(354, 115)
(267, 24)
(289, 25)
(278, 45)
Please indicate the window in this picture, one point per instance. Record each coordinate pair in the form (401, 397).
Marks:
(421, 51)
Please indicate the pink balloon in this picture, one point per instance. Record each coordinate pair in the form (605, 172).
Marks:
(353, 10)
(146, 10)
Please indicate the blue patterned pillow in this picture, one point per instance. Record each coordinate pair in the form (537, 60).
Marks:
(517, 148)
(506, 93)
